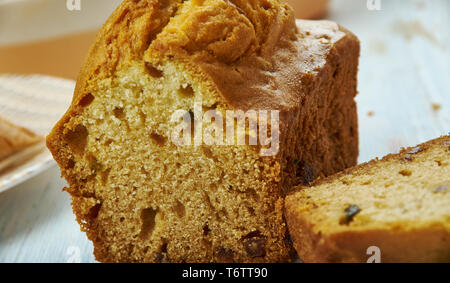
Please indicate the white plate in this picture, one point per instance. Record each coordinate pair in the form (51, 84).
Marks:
(36, 103)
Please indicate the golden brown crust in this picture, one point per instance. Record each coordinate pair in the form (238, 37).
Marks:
(251, 55)
(14, 138)
(403, 240)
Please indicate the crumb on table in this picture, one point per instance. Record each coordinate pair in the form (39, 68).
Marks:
(436, 106)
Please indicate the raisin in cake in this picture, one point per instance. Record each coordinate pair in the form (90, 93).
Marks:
(139, 196)
(400, 204)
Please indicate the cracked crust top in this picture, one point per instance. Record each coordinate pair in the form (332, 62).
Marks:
(245, 51)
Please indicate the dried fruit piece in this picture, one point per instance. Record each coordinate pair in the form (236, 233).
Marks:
(225, 254)
(255, 247)
(206, 230)
(306, 172)
(408, 157)
(350, 212)
(441, 189)
(162, 258)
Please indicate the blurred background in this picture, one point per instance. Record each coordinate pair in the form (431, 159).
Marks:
(46, 37)
(404, 94)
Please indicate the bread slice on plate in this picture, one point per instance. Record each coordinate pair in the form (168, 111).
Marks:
(397, 208)
(157, 69)
(14, 139)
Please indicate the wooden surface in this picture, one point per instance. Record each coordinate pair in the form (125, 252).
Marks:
(404, 100)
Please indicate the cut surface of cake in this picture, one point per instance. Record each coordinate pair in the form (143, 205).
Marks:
(142, 197)
(399, 205)
(14, 138)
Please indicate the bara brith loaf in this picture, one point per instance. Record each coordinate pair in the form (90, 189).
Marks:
(140, 196)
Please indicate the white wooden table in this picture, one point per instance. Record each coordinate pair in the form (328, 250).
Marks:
(404, 71)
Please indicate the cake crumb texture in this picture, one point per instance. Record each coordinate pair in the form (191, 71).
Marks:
(400, 204)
